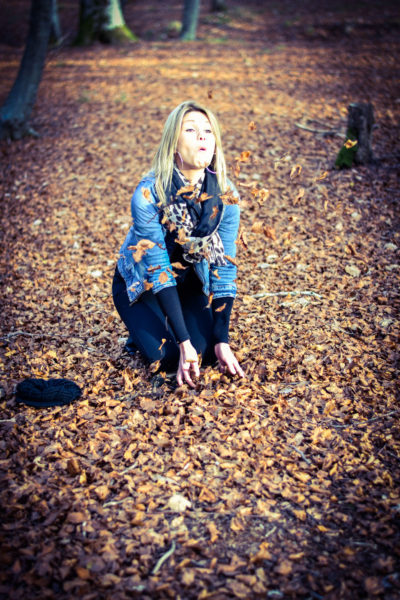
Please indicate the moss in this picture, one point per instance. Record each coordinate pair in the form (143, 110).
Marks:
(118, 35)
(345, 157)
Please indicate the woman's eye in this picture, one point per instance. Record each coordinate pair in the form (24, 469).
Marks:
(208, 131)
(189, 129)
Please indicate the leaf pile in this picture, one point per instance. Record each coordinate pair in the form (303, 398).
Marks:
(284, 484)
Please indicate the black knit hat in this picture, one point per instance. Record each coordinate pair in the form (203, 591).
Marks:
(51, 392)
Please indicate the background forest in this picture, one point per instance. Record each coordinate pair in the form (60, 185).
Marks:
(284, 485)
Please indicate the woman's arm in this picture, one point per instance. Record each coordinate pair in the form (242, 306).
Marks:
(188, 360)
(147, 226)
(223, 286)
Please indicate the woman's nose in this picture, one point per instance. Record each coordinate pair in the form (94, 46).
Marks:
(201, 135)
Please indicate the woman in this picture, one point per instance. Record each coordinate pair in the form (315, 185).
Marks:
(174, 283)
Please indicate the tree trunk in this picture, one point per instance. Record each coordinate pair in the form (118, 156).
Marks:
(189, 19)
(361, 120)
(18, 106)
(218, 5)
(55, 32)
(357, 148)
(102, 20)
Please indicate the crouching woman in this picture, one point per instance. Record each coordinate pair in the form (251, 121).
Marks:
(174, 283)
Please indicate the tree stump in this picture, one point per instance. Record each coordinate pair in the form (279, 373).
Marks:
(359, 130)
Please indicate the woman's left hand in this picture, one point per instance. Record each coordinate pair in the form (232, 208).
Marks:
(227, 360)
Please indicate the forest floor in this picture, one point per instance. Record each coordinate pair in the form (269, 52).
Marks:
(283, 485)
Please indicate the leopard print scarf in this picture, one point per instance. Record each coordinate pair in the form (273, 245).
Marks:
(193, 216)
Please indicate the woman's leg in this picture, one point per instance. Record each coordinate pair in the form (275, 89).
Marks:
(198, 317)
(146, 324)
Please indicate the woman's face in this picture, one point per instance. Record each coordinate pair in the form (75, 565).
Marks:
(196, 142)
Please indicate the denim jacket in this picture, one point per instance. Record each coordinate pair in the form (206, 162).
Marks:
(155, 266)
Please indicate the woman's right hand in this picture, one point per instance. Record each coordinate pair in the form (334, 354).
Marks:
(188, 364)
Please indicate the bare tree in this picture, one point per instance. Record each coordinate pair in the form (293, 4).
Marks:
(189, 19)
(218, 5)
(17, 108)
(102, 20)
(55, 33)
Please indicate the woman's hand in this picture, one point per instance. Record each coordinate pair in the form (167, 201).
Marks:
(227, 360)
(188, 364)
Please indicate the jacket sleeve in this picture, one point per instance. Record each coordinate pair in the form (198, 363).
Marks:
(222, 278)
(148, 228)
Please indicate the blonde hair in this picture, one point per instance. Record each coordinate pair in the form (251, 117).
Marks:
(163, 162)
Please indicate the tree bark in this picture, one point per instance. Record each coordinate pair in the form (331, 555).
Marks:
(218, 5)
(55, 32)
(189, 19)
(18, 106)
(103, 21)
(361, 120)
(357, 149)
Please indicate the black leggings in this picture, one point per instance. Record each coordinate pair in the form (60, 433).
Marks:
(147, 324)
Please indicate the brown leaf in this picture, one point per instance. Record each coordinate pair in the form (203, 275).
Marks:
(295, 172)
(229, 197)
(147, 194)
(203, 197)
(231, 259)
(186, 189)
(141, 248)
(163, 277)
(221, 308)
(73, 466)
(147, 285)
(214, 212)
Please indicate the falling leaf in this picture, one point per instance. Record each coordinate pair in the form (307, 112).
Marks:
(229, 197)
(214, 212)
(243, 239)
(163, 277)
(186, 189)
(231, 259)
(147, 285)
(215, 273)
(147, 194)
(220, 308)
(244, 156)
(141, 248)
(252, 126)
(203, 197)
(350, 143)
(182, 237)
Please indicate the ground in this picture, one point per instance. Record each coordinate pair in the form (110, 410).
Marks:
(284, 485)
